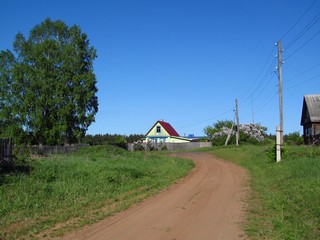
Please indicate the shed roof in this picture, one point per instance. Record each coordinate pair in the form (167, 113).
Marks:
(311, 108)
(169, 129)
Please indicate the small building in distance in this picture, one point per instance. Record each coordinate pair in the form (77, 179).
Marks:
(163, 132)
(310, 119)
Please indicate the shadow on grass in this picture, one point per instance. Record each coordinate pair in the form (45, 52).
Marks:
(14, 170)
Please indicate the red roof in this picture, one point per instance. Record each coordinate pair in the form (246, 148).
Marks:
(169, 129)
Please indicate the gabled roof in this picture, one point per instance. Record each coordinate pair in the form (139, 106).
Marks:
(310, 109)
(169, 129)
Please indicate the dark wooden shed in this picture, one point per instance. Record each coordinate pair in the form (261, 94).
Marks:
(310, 119)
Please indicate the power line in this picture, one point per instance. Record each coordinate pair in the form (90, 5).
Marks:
(266, 102)
(258, 93)
(302, 73)
(260, 83)
(304, 30)
(305, 12)
(207, 120)
(265, 86)
(263, 83)
(303, 45)
(301, 83)
(253, 87)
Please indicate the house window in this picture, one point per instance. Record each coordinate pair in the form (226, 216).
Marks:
(158, 129)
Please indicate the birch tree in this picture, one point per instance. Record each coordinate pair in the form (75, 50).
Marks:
(51, 84)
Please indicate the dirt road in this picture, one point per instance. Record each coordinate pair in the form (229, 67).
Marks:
(208, 204)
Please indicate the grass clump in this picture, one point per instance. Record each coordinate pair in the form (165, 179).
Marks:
(80, 188)
(285, 202)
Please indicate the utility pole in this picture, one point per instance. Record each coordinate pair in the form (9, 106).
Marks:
(280, 62)
(238, 126)
(229, 135)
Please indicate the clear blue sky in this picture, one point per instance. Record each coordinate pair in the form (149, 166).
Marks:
(186, 61)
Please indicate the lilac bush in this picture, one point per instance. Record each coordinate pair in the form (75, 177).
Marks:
(249, 133)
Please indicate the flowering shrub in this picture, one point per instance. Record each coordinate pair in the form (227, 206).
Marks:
(254, 131)
(249, 133)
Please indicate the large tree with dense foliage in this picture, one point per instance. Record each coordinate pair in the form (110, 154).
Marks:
(48, 88)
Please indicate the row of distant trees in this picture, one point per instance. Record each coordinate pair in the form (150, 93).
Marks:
(111, 139)
(249, 134)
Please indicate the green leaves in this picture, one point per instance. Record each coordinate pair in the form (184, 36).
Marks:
(52, 83)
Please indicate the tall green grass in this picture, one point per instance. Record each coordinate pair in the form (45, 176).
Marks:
(285, 200)
(69, 191)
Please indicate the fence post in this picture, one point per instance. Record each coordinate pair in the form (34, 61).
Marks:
(278, 143)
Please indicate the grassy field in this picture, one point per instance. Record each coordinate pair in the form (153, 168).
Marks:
(37, 197)
(285, 200)
(52, 195)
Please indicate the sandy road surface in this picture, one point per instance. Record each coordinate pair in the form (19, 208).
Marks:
(205, 205)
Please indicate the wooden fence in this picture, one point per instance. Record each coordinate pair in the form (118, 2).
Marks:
(168, 146)
(5, 151)
(47, 150)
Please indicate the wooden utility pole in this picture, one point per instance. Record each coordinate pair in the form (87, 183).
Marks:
(229, 135)
(238, 126)
(280, 62)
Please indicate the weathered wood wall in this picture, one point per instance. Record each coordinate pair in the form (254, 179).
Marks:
(311, 134)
